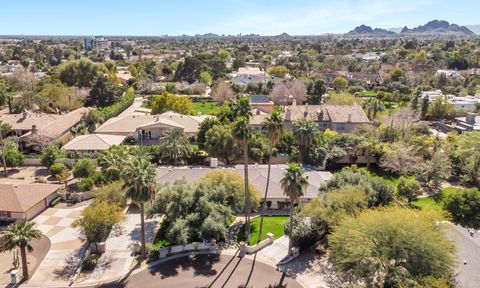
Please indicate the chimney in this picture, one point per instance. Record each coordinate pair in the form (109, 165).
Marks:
(319, 115)
(25, 113)
(305, 112)
(471, 118)
(157, 117)
(349, 118)
(257, 111)
(34, 129)
(288, 113)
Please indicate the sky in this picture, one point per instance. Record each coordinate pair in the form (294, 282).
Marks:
(229, 17)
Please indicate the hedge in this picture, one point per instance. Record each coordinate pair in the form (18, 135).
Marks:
(117, 108)
(55, 201)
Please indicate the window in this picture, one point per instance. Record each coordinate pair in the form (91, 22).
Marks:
(340, 126)
(5, 214)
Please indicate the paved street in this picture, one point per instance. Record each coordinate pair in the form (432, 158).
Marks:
(468, 248)
(209, 271)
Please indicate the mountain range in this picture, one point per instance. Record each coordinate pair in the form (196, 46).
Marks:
(431, 28)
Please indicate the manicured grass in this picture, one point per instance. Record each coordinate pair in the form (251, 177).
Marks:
(160, 240)
(207, 108)
(375, 171)
(369, 93)
(435, 202)
(271, 224)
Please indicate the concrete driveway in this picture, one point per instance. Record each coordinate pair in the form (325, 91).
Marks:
(58, 267)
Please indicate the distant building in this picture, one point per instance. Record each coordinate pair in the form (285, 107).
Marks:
(464, 103)
(262, 103)
(469, 123)
(90, 43)
(93, 142)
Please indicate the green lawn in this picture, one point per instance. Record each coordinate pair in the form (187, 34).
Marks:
(435, 202)
(390, 177)
(369, 93)
(271, 224)
(207, 108)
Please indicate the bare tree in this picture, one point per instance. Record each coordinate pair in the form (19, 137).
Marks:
(282, 91)
(402, 120)
(400, 159)
(222, 92)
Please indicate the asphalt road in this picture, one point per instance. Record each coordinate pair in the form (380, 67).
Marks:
(210, 271)
(468, 248)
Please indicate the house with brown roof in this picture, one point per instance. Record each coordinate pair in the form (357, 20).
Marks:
(151, 127)
(25, 201)
(50, 127)
(340, 118)
(93, 142)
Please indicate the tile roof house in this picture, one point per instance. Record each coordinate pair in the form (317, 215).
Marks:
(93, 142)
(257, 175)
(52, 127)
(25, 201)
(151, 126)
(340, 118)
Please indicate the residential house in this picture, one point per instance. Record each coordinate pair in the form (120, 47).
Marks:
(35, 127)
(151, 127)
(25, 201)
(370, 79)
(340, 118)
(262, 103)
(93, 142)
(471, 122)
(246, 75)
(124, 77)
(329, 76)
(257, 176)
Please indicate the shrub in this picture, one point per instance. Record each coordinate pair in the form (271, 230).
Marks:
(85, 184)
(98, 220)
(117, 108)
(90, 262)
(57, 169)
(50, 154)
(84, 168)
(55, 201)
(112, 193)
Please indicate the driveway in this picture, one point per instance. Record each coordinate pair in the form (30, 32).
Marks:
(211, 271)
(468, 248)
(58, 267)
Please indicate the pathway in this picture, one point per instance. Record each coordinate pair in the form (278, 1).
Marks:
(58, 267)
(117, 260)
(137, 103)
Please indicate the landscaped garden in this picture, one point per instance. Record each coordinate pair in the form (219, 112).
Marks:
(271, 224)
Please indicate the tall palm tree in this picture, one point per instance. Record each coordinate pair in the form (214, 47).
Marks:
(113, 160)
(242, 107)
(19, 235)
(242, 131)
(174, 145)
(373, 105)
(139, 176)
(304, 132)
(293, 184)
(274, 126)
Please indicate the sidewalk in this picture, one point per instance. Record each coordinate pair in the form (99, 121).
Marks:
(117, 260)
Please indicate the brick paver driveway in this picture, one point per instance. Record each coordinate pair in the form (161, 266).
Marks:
(58, 267)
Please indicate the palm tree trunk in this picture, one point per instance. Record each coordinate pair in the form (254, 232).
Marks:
(264, 208)
(247, 195)
(290, 228)
(4, 162)
(142, 229)
(368, 157)
(23, 253)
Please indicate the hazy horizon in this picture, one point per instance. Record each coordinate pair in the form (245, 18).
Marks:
(224, 17)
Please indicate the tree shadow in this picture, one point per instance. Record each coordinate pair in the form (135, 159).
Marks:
(68, 271)
(201, 265)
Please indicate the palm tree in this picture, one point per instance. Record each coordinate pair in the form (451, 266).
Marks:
(242, 107)
(304, 133)
(19, 234)
(139, 177)
(174, 145)
(373, 105)
(113, 160)
(242, 131)
(274, 127)
(293, 184)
